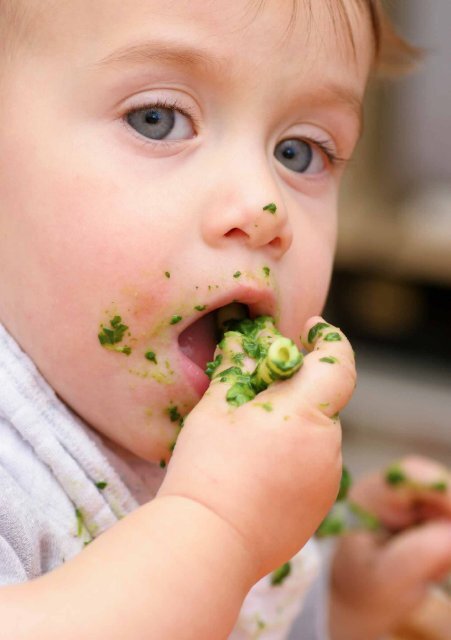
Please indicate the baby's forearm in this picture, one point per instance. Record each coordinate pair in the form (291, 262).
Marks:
(171, 569)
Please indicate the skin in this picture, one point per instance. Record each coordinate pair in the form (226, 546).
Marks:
(368, 597)
(100, 221)
(104, 216)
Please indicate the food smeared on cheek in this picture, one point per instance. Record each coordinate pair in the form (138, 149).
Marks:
(266, 406)
(266, 271)
(176, 417)
(175, 319)
(173, 413)
(151, 356)
(110, 337)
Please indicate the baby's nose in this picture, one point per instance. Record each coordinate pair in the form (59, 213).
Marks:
(257, 222)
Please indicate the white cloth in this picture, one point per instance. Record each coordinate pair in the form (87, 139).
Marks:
(60, 487)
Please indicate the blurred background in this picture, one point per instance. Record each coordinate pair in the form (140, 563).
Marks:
(391, 291)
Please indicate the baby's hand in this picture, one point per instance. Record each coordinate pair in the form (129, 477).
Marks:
(377, 579)
(271, 467)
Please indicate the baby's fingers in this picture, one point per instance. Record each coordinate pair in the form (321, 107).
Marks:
(228, 371)
(327, 379)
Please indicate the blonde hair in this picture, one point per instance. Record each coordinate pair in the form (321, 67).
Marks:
(393, 54)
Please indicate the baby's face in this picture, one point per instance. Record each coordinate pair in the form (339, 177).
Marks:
(139, 144)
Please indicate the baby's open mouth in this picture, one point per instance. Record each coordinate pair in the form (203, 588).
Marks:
(198, 341)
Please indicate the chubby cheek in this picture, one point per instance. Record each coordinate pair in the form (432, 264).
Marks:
(306, 277)
(83, 259)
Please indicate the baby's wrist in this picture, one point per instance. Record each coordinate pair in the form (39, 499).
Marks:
(216, 538)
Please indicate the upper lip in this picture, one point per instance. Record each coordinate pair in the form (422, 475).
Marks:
(259, 300)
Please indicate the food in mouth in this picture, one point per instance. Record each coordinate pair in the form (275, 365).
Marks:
(257, 352)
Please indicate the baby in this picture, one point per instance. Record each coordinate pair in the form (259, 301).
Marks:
(158, 162)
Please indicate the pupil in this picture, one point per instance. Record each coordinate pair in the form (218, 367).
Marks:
(153, 116)
(289, 153)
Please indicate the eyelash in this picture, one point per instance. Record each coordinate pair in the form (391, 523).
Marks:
(326, 148)
(323, 145)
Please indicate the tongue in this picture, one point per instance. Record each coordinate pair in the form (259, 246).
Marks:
(198, 341)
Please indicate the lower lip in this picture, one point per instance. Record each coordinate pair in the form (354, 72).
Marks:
(196, 377)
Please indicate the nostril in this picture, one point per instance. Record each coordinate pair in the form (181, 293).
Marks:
(276, 243)
(236, 234)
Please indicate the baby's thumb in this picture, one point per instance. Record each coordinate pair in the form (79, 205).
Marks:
(326, 380)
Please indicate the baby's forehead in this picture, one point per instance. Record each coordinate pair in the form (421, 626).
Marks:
(27, 21)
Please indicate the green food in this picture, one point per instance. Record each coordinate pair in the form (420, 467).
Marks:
(275, 357)
(396, 477)
(315, 331)
(266, 406)
(175, 319)
(80, 522)
(150, 355)
(237, 274)
(345, 484)
(167, 274)
(266, 271)
(270, 356)
(212, 366)
(173, 413)
(101, 485)
(280, 574)
(281, 361)
(109, 337)
(200, 307)
(332, 337)
(271, 207)
(441, 486)
(346, 516)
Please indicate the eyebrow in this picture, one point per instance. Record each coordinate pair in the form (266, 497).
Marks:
(162, 51)
(346, 96)
(170, 52)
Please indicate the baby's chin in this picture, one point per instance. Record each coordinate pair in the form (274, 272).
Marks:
(152, 445)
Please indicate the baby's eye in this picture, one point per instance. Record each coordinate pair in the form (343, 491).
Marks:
(159, 122)
(301, 156)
